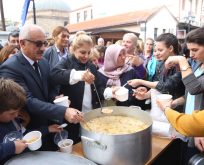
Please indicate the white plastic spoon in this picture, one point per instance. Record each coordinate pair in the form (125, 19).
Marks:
(125, 84)
(63, 125)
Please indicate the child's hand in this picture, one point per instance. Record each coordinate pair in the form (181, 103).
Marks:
(54, 128)
(20, 146)
(59, 96)
(25, 117)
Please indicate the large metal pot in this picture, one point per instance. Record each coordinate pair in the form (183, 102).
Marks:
(126, 149)
(197, 159)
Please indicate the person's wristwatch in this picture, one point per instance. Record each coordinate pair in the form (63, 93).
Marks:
(185, 68)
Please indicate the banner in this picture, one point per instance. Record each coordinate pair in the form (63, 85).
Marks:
(24, 11)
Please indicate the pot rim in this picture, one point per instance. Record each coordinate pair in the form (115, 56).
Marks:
(114, 113)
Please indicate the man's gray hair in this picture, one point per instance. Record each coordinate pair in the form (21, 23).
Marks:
(25, 31)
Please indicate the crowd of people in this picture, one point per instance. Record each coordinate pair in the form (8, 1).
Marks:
(33, 73)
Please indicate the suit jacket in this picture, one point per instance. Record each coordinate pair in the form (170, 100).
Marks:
(38, 103)
(51, 55)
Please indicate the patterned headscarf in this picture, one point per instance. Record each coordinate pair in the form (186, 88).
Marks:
(110, 68)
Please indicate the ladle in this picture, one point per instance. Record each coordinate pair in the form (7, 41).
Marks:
(106, 110)
(87, 125)
(98, 97)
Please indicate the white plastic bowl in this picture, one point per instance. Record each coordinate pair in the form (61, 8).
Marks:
(164, 98)
(34, 140)
(62, 101)
(66, 145)
(122, 94)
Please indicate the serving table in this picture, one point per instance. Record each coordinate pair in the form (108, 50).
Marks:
(159, 145)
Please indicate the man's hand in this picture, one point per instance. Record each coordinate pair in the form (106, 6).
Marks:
(59, 96)
(73, 115)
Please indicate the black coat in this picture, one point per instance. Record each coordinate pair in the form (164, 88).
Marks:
(60, 75)
(170, 81)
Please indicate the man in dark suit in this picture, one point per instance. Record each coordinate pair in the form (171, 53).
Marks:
(31, 71)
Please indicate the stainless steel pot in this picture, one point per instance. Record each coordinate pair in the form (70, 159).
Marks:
(197, 159)
(127, 149)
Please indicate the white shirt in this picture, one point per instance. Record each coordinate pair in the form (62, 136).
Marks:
(75, 77)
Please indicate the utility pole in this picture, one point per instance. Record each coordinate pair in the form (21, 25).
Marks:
(34, 12)
(2, 15)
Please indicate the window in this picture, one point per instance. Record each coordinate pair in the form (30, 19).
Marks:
(85, 15)
(181, 34)
(78, 17)
(155, 33)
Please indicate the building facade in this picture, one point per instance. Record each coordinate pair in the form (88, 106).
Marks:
(146, 23)
(49, 14)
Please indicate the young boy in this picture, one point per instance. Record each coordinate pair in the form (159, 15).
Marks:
(12, 100)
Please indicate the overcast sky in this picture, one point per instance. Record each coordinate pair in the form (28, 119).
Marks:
(13, 8)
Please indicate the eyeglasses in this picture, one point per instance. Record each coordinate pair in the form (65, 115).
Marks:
(38, 43)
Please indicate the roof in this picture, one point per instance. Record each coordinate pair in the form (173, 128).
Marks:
(95, 32)
(111, 21)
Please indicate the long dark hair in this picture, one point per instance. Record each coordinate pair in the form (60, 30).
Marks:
(196, 36)
(169, 39)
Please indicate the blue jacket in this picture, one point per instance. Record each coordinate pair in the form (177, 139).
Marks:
(6, 149)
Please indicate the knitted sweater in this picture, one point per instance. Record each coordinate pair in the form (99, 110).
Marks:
(188, 125)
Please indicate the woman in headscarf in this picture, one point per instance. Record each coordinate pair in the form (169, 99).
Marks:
(116, 73)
